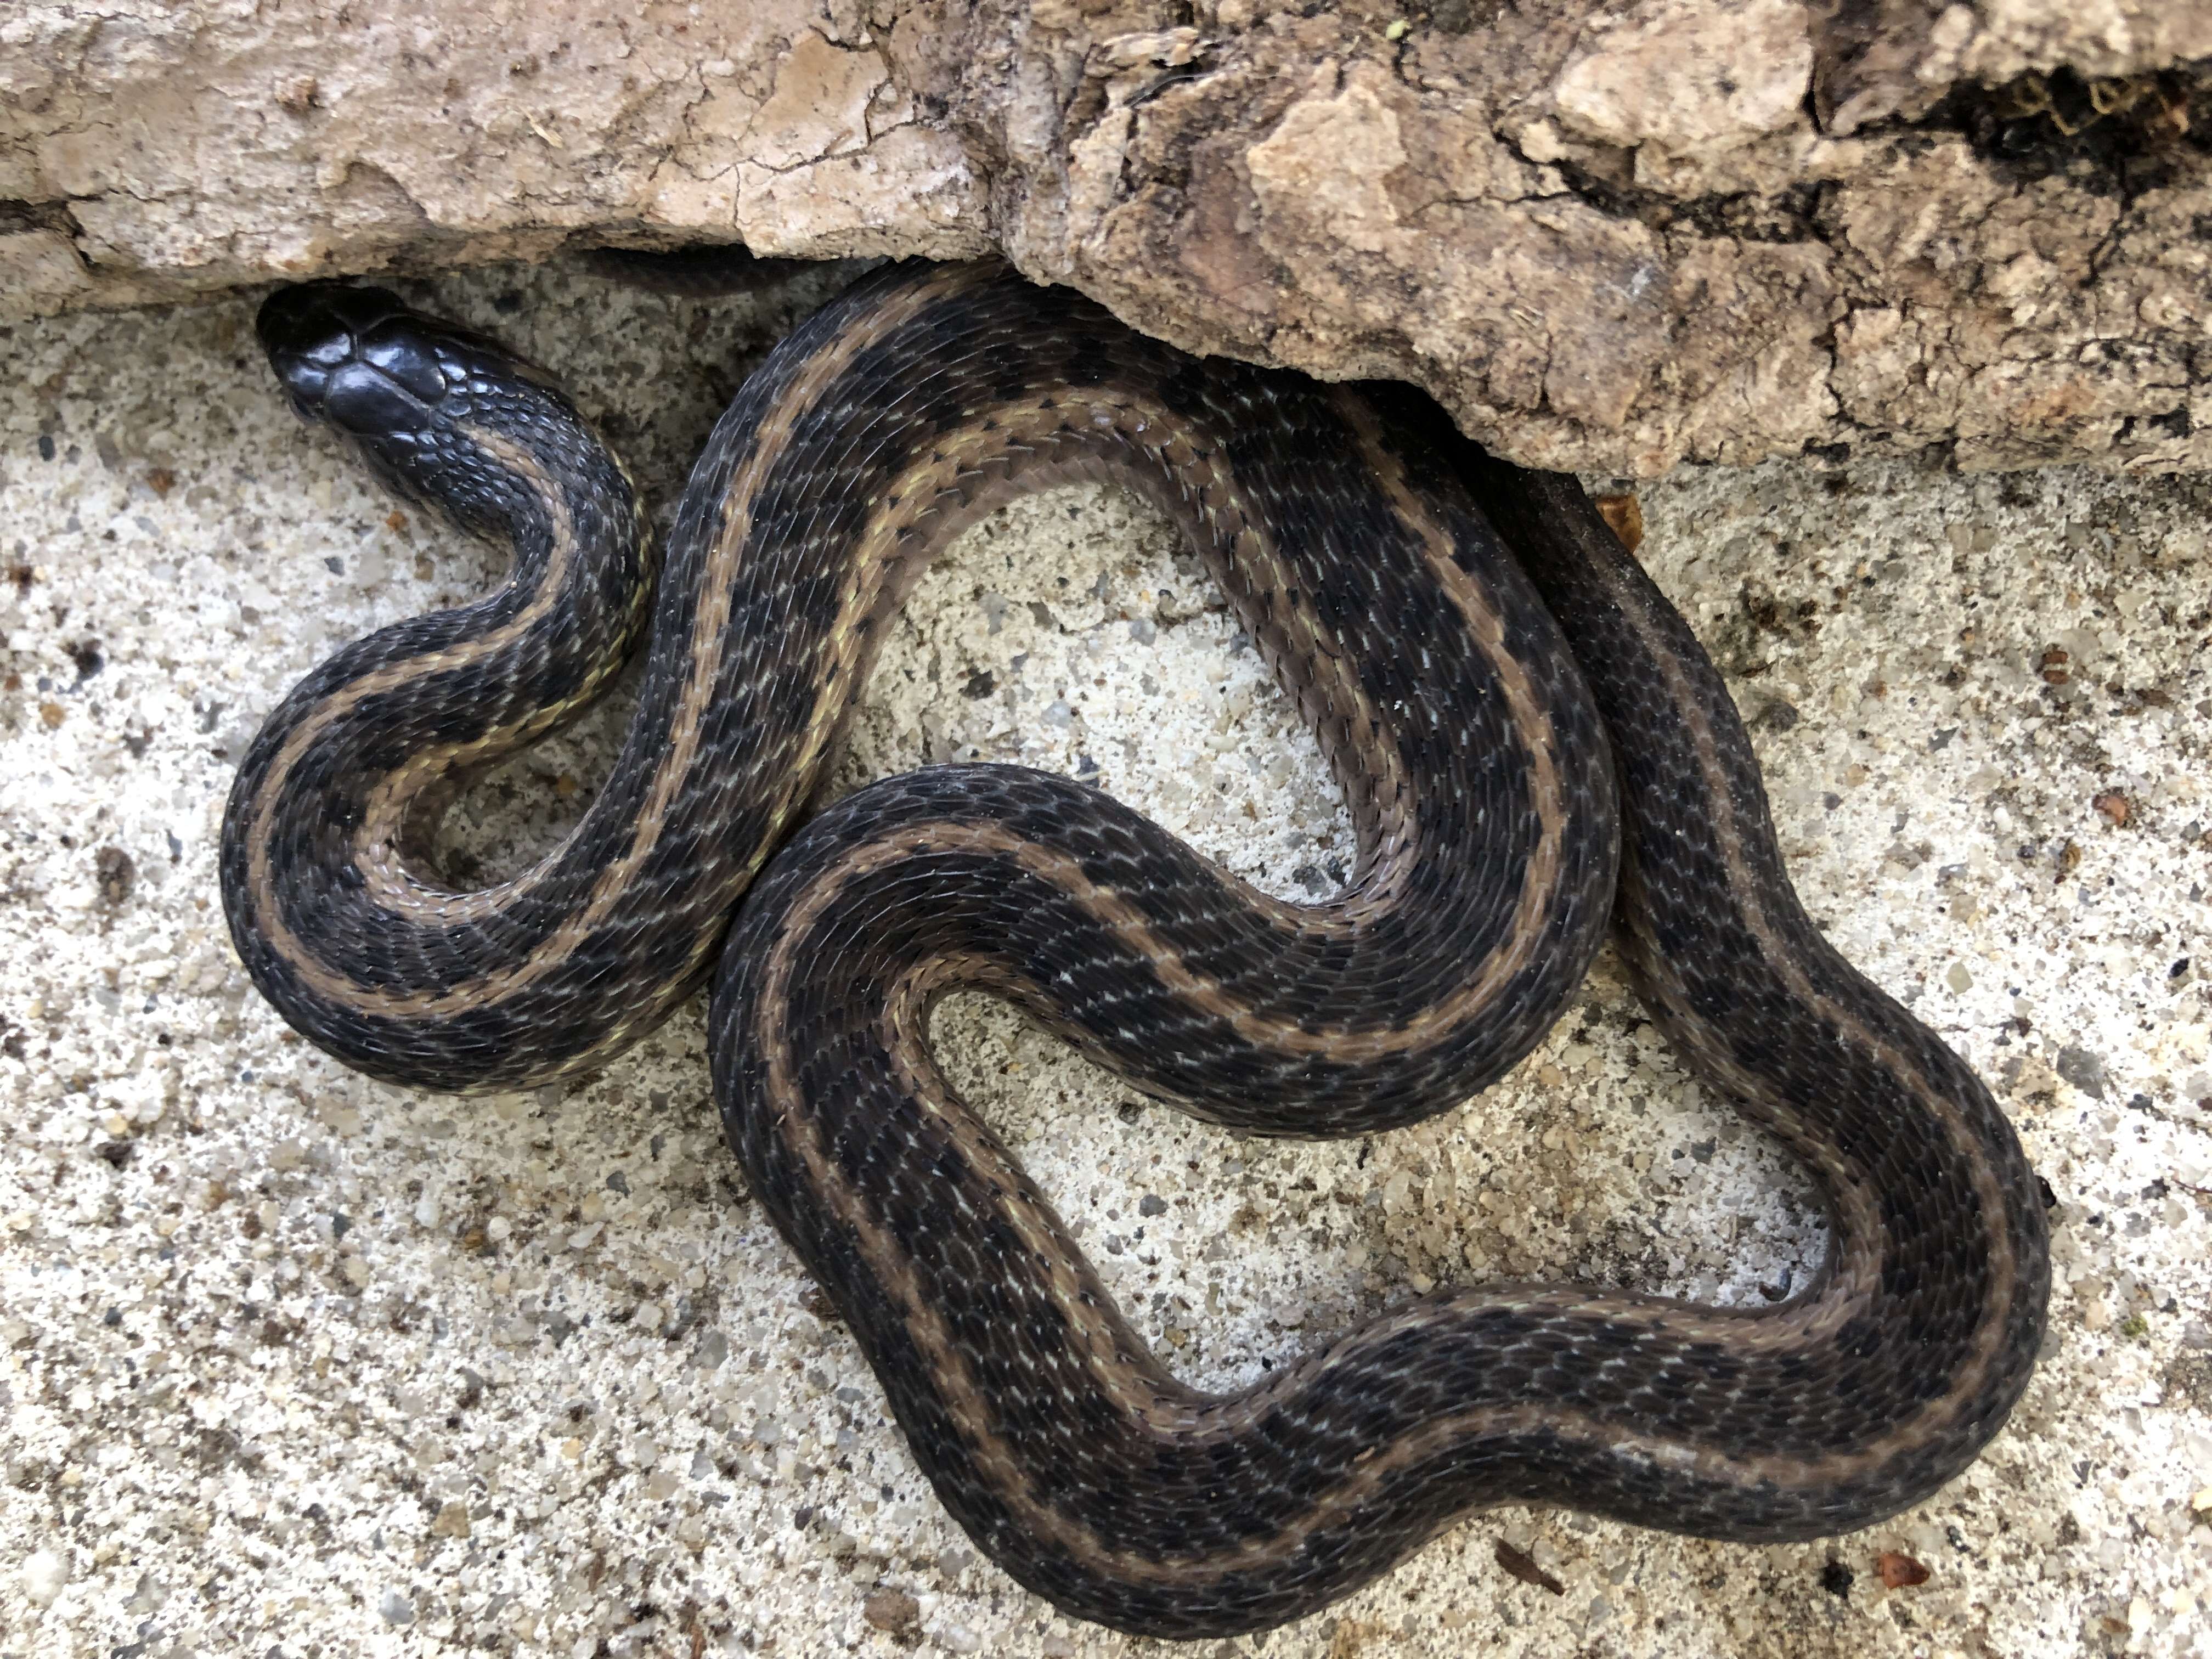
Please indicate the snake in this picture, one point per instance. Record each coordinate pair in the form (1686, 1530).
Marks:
(1535, 752)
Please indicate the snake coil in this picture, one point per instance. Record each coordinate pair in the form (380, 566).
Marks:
(1530, 739)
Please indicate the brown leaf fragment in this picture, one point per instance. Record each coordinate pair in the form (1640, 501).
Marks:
(1899, 1571)
(1521, 1567)
(1625, 514)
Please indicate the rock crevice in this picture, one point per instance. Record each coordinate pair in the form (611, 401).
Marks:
(1608, 238)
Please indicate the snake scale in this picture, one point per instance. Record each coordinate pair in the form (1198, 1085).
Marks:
(1533, 745)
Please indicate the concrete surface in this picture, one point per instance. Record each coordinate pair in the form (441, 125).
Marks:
(294, 1364)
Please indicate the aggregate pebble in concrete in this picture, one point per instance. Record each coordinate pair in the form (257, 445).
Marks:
(290, 1361)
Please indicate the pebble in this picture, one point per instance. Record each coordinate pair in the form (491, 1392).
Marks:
(44, 1573)
(891, 1609)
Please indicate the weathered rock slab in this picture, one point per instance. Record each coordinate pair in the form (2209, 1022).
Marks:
(1608, 238)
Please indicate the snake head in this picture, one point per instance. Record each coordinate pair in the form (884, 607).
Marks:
(403, 388)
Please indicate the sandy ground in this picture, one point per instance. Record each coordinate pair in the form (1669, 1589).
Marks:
(290, 1363)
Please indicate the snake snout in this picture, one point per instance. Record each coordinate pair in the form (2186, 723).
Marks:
(356, 358)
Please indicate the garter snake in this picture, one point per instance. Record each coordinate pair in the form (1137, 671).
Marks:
(1531, 742)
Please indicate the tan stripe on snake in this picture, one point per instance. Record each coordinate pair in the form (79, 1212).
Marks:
(1512, 730)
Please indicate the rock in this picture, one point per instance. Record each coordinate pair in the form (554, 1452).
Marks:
(891, 1609)
(2083, 1069)
(44, 1574)
(1610, 239)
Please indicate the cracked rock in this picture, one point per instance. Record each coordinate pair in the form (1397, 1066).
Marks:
(1610, 239)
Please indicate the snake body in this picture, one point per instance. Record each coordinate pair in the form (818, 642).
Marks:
(1532, 742)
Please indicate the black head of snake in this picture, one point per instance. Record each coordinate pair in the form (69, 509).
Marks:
(1515, 714)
